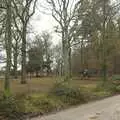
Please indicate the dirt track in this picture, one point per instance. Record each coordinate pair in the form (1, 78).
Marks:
(107, 109)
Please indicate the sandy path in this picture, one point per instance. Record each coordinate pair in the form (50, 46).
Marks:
(107, 109)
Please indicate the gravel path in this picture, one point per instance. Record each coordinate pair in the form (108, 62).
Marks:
(107, 109)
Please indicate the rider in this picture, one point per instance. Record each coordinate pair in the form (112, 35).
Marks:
(85, 73)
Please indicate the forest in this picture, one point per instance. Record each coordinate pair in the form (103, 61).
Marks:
(83, 65)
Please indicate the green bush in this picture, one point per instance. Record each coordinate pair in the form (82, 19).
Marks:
(100, 95)
(107, 86)
(103, 90)
(22, 106)
(118, 88)
(116, 77)
(68, 95)
(41, 103)
(9, 109)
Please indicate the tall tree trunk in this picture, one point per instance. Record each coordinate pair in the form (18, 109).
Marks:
(8, 42)
(66, 54)
(67, 61)
(66, 64)
(63, 52)
(23, 76)
(114, 65)
(66, 44)
(15, 60)
(104, 60)
(82, 55)
(70, 63)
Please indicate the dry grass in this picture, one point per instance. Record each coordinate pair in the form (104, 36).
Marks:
(44, 84)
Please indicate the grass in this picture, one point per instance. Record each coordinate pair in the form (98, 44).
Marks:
(36, 84)
(44, 84)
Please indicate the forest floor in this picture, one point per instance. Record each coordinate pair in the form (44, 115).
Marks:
(41, 96)
(44, 84)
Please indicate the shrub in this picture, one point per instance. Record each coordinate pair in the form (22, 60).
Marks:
(116, 77)
(100, 95)
(68, 94)
(103, 90)
(108, 86)
(9, 109)
(41, 103)
(118, 88)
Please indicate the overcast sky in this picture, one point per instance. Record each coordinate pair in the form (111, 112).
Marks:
(44, 22)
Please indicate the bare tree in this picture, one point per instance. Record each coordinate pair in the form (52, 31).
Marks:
(16, 44)
(65, 13)
(24, 10)
(8, 43)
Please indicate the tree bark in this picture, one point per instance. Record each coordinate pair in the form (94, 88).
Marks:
(8, 42)
(70, 63)
(67, 61)
(15, 60)
(23, 76)
(82, 55)
(104, 60)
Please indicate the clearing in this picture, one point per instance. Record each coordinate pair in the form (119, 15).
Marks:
(44, 84)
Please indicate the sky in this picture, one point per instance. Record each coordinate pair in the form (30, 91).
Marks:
(44, 22)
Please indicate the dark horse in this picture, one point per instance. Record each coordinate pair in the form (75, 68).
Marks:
(84, 74)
